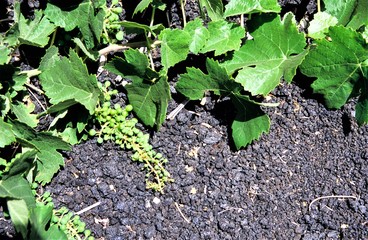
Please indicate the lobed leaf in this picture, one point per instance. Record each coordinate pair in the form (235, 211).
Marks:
(35, 32)
(83, 16)
(277, 50)
(199, 34)
(150, 100)
(65, 79)
(149, 92)
(238, 7)
(223, 37)
(174, 46)
(6, 133)
(214, 8)
(338, 65)
(320, 24)
(49, 159)
(24, 113)
(250, 121)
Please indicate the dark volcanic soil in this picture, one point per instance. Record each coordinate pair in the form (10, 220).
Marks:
(265, 191)
(261, 192)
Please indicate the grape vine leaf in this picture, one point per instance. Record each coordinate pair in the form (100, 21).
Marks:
(82, 16)
(7, 135)
(18, 212)
(174, 46)
(214, 8)
(49, 159)
(237, 7)
(24, 114)
(338, 63)
(66, 79)
(276, 50)
(4, 54)
(142, 5)
(21, 164)
(35, 32)
(40, 216)
(320, 24)
(249, 123)
(199, 35)
(20, 198)
(350, 13)
(359, 17)
(223, 37)
(149, 92)
(150, 100)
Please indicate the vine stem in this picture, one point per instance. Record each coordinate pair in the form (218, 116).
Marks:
(183, 3)
(319, 5)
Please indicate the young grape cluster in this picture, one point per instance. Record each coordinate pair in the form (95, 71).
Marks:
(67, 221)
(116, 127)
(71, 224)
(111, 23)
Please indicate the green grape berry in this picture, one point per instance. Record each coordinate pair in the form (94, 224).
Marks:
(34, 185)
(92, 132)
(117, 10)
(100, 140)
(76, 218)
(119, 35)
(128, 108)
(114, 2)
(87, 232)
(62, 227)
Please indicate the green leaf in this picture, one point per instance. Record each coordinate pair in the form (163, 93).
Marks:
(50, 159)
(6, 133)
(148, 93)
(224, 37)
(276, 51)
(66, 79)
(341, 9)
(35, 32)
(238, 7)
(250, 121)
(21, 164)
(360, 17)
(150, 100)
(24, 113)
(194, 83)
(142, 5)
(40, 218)
(320, 24)
(89, 53)
(4, 54)
(338, 65)
(83, 17)
(214, 8)
(17, 187)
(199, 35)
(174, 46)
(18, 211)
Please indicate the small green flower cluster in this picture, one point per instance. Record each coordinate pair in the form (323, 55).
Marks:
(67, 221)
(111, 23)
(115, 126)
